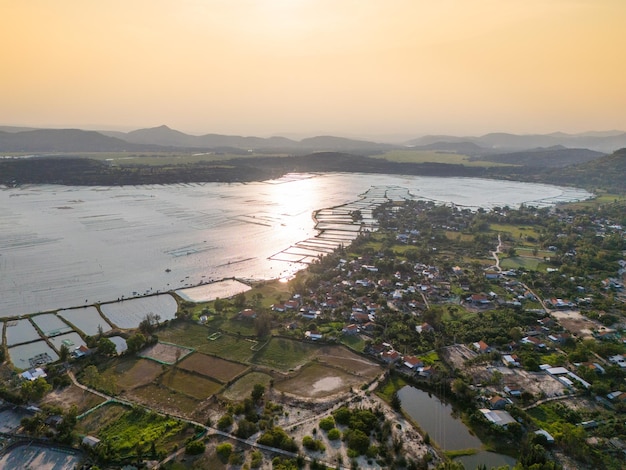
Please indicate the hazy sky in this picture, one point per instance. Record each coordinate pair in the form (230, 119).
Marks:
(346, 67)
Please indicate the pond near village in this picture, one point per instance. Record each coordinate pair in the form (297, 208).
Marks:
(448, 431)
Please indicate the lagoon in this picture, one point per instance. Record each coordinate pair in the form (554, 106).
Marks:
(67, 246)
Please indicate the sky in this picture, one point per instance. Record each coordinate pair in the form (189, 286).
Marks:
(361, 68)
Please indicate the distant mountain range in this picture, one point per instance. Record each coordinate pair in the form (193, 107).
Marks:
(163, 138)
(605, 142)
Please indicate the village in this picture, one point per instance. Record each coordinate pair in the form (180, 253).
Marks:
(516, 316)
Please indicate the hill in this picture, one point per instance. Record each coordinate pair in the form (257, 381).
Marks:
(61, 140)
(604, 142)
(608, 172)
(553, 157)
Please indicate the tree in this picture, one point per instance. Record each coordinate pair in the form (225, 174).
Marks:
(240, 300)
(257, 392)
(396, 403)
(198, 447)
(106, 347)
(135, 342)
(263, 325)
(64, 353)
(34, 390)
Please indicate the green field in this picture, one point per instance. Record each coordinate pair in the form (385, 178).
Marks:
(285, 354)
(166, 158)
(355, 342)
(242, 387)
(189, 384)
(140, 429)
(196, 337)
(431, 156)
(516, 232)
(532, 264)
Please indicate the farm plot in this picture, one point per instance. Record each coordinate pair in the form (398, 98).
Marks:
(318, 381)
(192, 385)
(86, 319)
(285, 354)
(196, 336)
(72, 395)
(209, 366)
(100, 418)
(241, 388)
(133, 373)
(50, 324)
(136, 427)
(129, 313)
(346, 360)
(165, 353)
(20, 331)
(165, 399)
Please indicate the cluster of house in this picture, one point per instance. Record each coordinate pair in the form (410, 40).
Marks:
(408, 364)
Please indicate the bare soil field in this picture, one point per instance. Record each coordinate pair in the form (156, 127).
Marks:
(576, 323)
(213, 367)
(348, 361)
(537, 383)
(72, 395)
(164, 399)
(165, 353)
(318, 381)
(456, 355)
(133, 373)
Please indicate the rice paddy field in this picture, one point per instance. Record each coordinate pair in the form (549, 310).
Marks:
(192, 335)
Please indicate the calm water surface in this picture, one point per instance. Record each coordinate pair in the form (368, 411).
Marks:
(64, 246)
(448, 431)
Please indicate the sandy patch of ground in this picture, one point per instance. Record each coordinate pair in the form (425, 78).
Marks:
(540, 384)
(456, 355)
(576, 323)
(165, 353)
(73, 395)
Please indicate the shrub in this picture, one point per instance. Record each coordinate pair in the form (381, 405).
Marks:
(225, 422)
(327, 423)
(334, 434)
(195, 448)
(224, 450)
